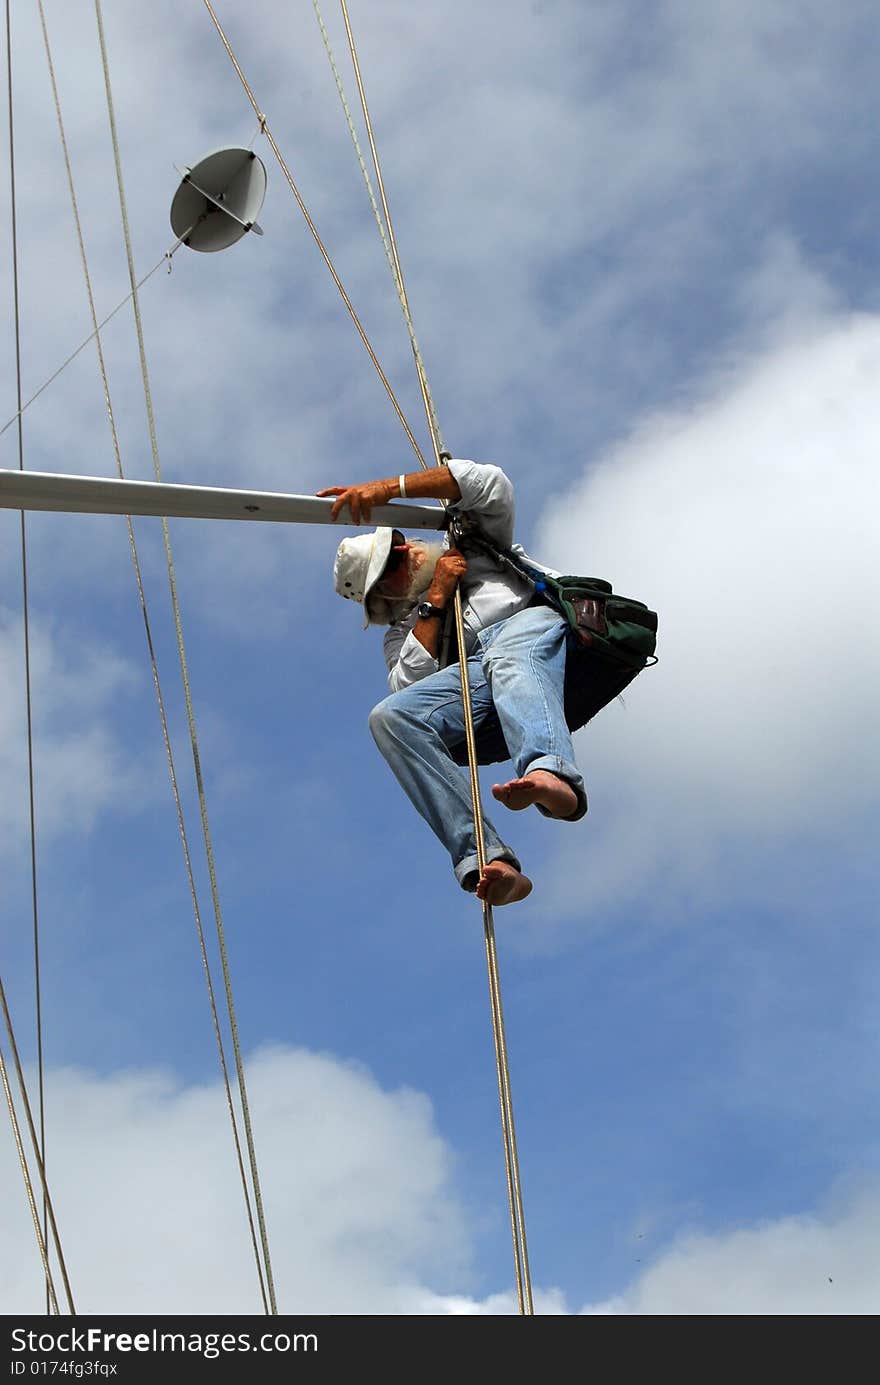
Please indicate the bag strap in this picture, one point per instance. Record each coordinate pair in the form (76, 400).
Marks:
(465, 530)
(462, 529)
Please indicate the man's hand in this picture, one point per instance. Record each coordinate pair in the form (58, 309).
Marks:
(360, 499)
(437, 483)
(451, 567)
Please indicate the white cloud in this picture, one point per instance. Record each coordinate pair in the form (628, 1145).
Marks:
(358, 1190)
(749, 522)
(810, 1265)
(82, 766)
(545, 1302)
(361, 1210)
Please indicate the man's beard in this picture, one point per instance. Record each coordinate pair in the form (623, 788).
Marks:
(384, 611)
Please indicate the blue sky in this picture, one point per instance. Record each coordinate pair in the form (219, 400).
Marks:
(640, 249)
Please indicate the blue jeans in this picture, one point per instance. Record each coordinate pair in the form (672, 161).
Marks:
(519, 667)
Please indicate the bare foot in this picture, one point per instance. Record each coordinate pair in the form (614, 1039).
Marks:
(541, 786)
(502, 883)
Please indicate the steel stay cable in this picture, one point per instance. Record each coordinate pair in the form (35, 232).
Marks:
(517, 1218)
(51, 1296)
(271, 1306)
(145, 614)
(144, 611)
(26, 630)
(47, 1201)
(311, 225)
(83, 344)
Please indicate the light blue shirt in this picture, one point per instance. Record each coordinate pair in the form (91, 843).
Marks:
(489, 592)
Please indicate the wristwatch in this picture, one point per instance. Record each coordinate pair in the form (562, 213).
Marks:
(425, 610)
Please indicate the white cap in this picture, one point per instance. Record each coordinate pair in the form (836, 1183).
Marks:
(360, 562)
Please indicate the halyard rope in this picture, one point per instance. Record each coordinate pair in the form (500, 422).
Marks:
(311, 225)
(511, 1159)
(388, 241)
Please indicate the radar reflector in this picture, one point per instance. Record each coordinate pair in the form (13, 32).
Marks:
(219, 199)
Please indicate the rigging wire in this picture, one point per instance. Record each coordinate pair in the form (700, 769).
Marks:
(390, 257)
(266, 1266)
(437, 442)
(166, 258)
(264, 126)
(511, 1158)
(49, 1213)
(147, 626)
(427, 399)
(51, 1296)
(27, 646)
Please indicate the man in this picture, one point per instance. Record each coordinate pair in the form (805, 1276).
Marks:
(516, 666)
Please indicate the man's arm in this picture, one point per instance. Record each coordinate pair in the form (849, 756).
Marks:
(450, 569)
(438, 483)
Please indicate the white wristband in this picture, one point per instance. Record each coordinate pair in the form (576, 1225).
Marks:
(401, 481)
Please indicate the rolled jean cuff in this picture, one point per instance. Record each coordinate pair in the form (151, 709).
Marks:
(467, 872)
(565, 771)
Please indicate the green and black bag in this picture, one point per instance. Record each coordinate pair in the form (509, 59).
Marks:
(618, 626)
(612, 639)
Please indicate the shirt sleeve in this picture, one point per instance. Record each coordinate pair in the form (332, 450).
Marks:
(407, 658)
(487, 492)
